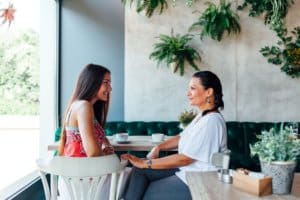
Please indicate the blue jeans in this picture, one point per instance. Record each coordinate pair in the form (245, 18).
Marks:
(151, 184)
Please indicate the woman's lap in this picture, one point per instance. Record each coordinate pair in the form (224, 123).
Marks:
(168, 188)
(140, 180)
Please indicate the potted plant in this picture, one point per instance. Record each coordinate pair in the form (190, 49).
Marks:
(216, 20)
(286, 53)
(274, 10)
(175, 51)
(277, 151)
(186, 117)
(149, 6)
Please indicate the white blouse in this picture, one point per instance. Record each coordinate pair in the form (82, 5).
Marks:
(203, 137)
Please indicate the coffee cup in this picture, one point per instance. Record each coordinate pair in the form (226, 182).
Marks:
(121, 137)
(157, 137)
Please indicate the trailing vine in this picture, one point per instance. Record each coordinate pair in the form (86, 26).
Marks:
(286, 53)
(274, 10)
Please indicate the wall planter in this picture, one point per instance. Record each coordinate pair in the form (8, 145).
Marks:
(274, 10)
(216, 20)
(148, 6)
(175, 52)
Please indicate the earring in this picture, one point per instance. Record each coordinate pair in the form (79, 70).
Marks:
(208, 100)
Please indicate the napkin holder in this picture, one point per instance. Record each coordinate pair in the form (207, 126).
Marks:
(259, 186)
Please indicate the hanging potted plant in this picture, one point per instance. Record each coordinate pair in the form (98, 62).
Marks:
(274, 10)
(149, 6)
(216, 20)
(175, 51)
(286, 53)
(277, 151)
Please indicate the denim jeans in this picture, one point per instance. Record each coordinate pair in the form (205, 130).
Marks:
(151, 184)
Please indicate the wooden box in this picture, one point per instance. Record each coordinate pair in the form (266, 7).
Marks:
(252, 185)
(296, 185)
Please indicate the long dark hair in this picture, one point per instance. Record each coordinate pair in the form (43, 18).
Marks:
(210, 80)
(87, 85)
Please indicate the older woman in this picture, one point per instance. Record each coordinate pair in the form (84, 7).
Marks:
(164, 178)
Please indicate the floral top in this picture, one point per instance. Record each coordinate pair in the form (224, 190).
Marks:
(74, 146)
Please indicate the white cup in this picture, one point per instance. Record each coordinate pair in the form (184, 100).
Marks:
(121, 137)
(157, 137)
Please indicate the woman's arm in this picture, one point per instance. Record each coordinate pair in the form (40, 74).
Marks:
(108, 148)
(85, 117)
(171, 143)
(168, 162)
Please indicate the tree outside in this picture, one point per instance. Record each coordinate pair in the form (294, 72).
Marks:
(19, 78)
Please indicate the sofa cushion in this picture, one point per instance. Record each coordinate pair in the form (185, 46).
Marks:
(240, 136)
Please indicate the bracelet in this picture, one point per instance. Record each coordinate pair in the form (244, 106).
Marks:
(149, 163)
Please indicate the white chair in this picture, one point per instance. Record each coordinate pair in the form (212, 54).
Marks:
(83, 177)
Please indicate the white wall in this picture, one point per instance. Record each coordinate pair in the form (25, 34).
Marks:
(254, 90)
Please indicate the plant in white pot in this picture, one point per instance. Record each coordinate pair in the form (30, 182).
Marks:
(278, 151)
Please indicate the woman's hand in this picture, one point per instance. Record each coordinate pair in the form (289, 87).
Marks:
(154, 153)
(108, 150)
(135, 161)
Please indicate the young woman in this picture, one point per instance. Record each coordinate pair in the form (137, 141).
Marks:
(85, 117)
(164, 178)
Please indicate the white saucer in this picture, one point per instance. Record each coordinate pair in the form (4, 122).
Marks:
(123, 142)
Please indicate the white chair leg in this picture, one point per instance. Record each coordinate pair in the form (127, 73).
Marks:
(120, 182)
(54, 188)
(113, 185)
(45, 185)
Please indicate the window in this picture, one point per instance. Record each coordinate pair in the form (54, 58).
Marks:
(28, 87)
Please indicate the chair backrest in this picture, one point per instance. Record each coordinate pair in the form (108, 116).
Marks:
(83, 177)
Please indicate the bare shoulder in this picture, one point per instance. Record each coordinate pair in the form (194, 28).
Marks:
(83, 106)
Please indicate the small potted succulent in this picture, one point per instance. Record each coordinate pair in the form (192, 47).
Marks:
(186, 117)
(278, 151)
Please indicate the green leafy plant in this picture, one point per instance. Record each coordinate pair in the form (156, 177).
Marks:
(175, 49)
(274, 10)
(186, 117)
(148, 5)
(276, 145)
(216, 20)
(286, 53)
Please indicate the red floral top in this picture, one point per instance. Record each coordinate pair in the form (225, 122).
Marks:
(74, 146)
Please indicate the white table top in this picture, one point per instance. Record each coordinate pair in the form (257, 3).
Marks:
(206, 186)
(136, 143)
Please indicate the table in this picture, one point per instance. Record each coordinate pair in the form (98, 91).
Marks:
(206, 186)
(136, 143)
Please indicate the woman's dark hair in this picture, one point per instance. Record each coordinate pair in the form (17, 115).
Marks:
(88, 84)
(210, 80)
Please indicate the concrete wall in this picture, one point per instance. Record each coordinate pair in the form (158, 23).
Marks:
(93, 32)
(254, 90)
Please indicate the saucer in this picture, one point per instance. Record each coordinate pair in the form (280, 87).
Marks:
(154, 142)
(123, 142)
